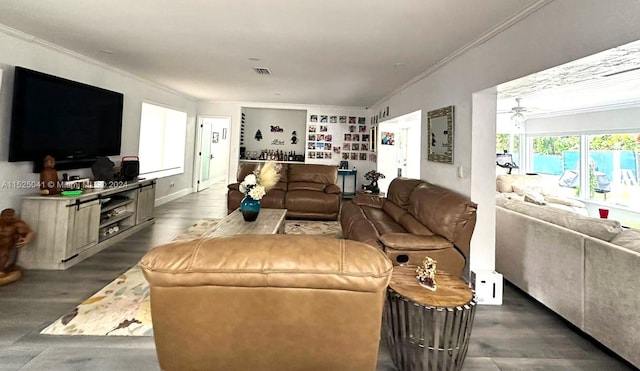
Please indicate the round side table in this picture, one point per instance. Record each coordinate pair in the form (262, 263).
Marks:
(428, 330)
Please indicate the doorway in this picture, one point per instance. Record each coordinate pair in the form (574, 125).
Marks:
(399, 148)
(212, 157)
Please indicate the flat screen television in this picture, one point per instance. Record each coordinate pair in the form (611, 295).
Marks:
(69, 120)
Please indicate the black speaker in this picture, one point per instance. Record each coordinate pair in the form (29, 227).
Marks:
(129, 167)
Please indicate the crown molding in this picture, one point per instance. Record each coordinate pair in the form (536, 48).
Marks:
(524, 13)
(49, 45)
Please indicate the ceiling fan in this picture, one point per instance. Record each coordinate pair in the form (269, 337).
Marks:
(518, 114)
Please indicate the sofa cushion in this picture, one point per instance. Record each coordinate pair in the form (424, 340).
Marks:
(408, 241)
(310, 201)
(274, 199)
(308, 173)
(412, 225)
(400, 189)
(306, 186)
(519, 183)
(368, 200)
(332, 189)
(628, 238)
(535, 198)
(563, 201)
(394, 211)
(441, 210)
(383, 222)
(604, 229)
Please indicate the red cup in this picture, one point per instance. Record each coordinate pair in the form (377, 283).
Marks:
(604, 213)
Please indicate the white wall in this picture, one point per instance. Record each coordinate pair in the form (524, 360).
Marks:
(16, 50)
(595, 122)
(233, 109)
(263, 118)
(559, 32)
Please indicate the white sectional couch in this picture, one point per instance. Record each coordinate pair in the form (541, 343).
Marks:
(585, 269)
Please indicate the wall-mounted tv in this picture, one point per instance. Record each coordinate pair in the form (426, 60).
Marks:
(69, 120)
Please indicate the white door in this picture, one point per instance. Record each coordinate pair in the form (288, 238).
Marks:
(400, 156)
(213, 154)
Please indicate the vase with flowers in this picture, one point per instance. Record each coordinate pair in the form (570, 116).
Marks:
(373, 177)
(255, 186)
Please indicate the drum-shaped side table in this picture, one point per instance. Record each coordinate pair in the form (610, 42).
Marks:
(428, 330)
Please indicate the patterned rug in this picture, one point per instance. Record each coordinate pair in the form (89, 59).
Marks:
(122, 308)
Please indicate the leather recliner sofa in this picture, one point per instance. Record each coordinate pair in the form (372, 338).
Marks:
(277, 302)
(307, 191)
(415, 220)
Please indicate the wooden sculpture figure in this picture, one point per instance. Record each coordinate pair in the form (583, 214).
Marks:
(49, 184)
(14, 234)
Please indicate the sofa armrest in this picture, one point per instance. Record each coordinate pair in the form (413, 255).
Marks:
(408, 241)
(234, 187)
(369, 200)
(332, 189)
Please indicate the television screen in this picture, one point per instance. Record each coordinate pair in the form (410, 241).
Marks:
(63, 118)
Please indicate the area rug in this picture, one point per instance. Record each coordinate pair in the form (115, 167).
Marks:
(122, 308)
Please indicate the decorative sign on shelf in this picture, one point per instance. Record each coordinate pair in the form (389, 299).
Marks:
(277, 142)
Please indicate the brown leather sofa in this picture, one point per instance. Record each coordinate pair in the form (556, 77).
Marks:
(415, 220)
(306, 191)
(277, 302)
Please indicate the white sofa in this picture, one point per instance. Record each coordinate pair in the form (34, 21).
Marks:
(585, 269)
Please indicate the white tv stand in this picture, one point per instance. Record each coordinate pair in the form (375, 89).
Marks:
(69, 229)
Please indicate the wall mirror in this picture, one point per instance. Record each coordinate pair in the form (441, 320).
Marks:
(440, 135)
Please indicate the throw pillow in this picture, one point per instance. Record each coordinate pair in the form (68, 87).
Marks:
(534, 198)
(563, 201)
(629, 238)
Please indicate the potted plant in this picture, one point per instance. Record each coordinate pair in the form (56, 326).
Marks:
(373, 177)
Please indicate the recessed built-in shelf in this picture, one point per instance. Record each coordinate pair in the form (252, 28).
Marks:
(116, 204)
(116, 218)
(122, 230)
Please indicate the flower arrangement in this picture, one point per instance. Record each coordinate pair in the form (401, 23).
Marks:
(258, 183)
(373, 176)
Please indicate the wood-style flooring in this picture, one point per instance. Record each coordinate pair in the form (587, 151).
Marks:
(519, 335)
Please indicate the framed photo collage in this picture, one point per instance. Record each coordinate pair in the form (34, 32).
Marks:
(337, 137)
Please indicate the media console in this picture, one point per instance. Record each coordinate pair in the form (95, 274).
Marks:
(69, 229)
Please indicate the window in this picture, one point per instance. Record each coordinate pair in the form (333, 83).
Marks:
(611, 163)
(162, 141)
(613, 169)
(556, 159)
(507, 144)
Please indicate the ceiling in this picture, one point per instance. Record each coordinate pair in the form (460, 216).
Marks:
(603, 81)
(328, 52)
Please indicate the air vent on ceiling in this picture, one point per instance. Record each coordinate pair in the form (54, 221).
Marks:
(262, 70)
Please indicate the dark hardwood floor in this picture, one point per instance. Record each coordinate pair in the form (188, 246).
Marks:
(519, 335)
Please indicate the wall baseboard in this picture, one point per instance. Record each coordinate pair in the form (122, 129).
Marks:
(174, 196)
